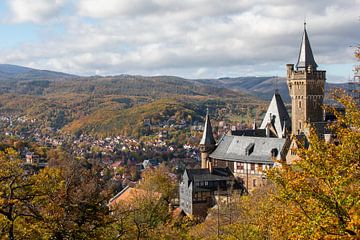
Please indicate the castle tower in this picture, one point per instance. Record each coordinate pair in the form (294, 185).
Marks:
(306, 88)
(207, 143)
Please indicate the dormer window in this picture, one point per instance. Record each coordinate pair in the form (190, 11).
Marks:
(249, 149)
(274, 152)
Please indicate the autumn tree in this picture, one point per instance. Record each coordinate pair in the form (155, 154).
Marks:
(137, 216)
(78, 210)
(159, 180)
(323, 184)
(19, 194)
(67, 200)
(316, 197)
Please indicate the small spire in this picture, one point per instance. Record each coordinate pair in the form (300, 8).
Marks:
(306, 56)
(208, 137)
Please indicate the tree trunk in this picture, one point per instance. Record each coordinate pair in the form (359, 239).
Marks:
(11, 231)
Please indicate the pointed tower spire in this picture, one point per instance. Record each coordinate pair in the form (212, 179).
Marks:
(306, 56)
(207, 143)
(208, 137)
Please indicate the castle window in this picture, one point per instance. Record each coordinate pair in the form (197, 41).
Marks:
(299, 125)
(240, 166)
(252, 166)
(300, 104)
(249, 149)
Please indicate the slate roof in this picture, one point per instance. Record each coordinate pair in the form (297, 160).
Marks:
(321, 128)
(249, 132)
(306, 56)
(203, 174)
(208, 137)
(235, 148)
(276, 114)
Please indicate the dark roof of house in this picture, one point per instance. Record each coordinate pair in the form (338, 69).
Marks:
(204, 174)
(250, 149)
(306, 56)
(150, 163)
(249, 132)
(208, 137)
(277, 115)
(303, 140)
(321, 128)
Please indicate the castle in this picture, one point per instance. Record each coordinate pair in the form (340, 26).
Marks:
(245, 154)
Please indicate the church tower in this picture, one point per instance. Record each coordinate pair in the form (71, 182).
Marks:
(207, 143)
(306, 88)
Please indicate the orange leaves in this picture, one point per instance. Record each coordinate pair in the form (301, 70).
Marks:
(323, 185)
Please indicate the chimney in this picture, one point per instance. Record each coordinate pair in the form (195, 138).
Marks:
(284, 128)
(210, 166)
(267, 130)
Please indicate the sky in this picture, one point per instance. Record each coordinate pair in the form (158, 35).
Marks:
(186, 38)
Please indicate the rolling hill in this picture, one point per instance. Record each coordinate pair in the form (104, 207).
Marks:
(10, 72)
(262, 87)
(119, 104)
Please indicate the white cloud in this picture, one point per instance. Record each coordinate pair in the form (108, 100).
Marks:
(187, 38)
(36, 11)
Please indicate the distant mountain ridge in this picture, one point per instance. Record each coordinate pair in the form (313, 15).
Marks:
(9, 72)
(107, 105)
(28, 78)
(262, 87)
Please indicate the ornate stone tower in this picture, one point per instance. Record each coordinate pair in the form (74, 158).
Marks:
(207, 143)
(306, 88)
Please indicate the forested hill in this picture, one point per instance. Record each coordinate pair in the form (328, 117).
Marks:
(17, 79)
(11, 73)
(262, 87)
(114, 104)
(120, 104)
(159, 86)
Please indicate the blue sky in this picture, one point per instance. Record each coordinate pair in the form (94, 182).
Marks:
(193, 39)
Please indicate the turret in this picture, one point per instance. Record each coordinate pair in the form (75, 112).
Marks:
(207, 143)
(306, 87)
